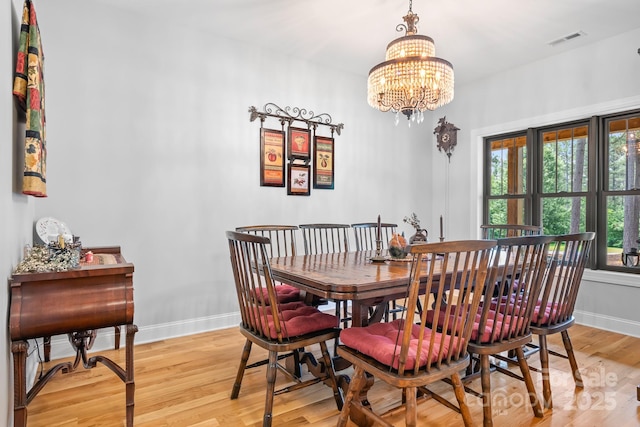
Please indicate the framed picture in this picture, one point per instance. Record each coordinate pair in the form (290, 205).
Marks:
(271, 158)
(299, 144)
(298, 180)
(323, 166)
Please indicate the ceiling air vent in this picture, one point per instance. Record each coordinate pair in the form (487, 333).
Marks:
(566, 38)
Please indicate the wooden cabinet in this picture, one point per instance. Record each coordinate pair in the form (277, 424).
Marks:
(75, 302)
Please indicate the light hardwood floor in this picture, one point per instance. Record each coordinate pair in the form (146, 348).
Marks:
(187, 381)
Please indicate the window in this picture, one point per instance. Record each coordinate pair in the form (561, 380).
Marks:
(570, 178)
(620, 198)
(563, 174)
(506, 186)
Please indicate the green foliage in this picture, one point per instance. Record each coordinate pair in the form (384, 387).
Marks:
(615, 221)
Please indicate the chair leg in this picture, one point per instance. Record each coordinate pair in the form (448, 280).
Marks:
(411, 415)
(246, 351)
(526, 374)
(272, 368)
(485, 380)
(357, 382)
(337, 395)
(572, 359)
(544, 364)
(458, 390)
(335, 341)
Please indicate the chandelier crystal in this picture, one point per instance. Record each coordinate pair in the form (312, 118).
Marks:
(411, 79)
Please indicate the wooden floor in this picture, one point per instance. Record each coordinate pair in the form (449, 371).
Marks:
(187, 382)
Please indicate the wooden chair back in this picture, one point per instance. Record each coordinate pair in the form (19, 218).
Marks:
(497, 231)
(457, 293)
(325, 238)
(282, 238)
(562, 280)
(365, 234)
(252, 274)
(512, 290)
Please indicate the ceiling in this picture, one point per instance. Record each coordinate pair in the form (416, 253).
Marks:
(479, 37)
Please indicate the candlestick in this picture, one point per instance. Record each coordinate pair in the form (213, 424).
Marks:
(441, 230)
(379, 231)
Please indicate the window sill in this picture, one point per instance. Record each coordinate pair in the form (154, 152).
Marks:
(612, 277)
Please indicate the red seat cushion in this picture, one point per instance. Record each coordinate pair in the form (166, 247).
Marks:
(506, 325)
(488, 333)
(547, 314)
(382, 341)
(296, 318)
(284, 293)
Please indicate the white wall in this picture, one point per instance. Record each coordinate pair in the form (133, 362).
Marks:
(151, 148)
(16, 210)
(596, 79)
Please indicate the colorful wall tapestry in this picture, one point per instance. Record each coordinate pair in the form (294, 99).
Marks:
(28, 88)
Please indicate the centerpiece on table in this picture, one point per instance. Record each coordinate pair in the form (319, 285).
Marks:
(421, 233)
(397, 246)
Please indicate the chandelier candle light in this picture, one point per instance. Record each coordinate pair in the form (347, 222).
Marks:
(411, 79)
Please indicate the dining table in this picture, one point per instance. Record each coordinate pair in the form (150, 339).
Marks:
(348, 276)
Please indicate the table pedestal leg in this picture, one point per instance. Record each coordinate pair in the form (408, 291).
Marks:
(356, 416)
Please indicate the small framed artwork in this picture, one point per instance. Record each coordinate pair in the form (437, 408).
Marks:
(298, 180)
(323, 166)
(271, 158)
(299, 144)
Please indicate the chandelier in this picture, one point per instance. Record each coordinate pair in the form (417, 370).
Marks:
(411, 79)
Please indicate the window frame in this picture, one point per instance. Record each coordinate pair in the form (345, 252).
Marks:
(605, 192)
(595, 194)
(487, 196)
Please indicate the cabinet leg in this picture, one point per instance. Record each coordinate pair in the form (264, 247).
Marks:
(129, 380)
(19, 350)
(46, 341)
(117, 339)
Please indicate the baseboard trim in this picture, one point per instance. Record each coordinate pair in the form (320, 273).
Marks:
(608, 323)
(61, 348)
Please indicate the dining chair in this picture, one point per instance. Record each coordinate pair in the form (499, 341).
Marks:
(325, 238)
(276, 327)
(406, 353)
(496, 231)
(365, 233)
(554, 309)
(328, 238)
(502, 322)
(283, 243)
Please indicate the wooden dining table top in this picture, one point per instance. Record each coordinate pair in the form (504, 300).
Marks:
(348, 276)
(344, 276)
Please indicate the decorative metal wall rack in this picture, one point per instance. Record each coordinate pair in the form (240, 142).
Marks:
(298, 149)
